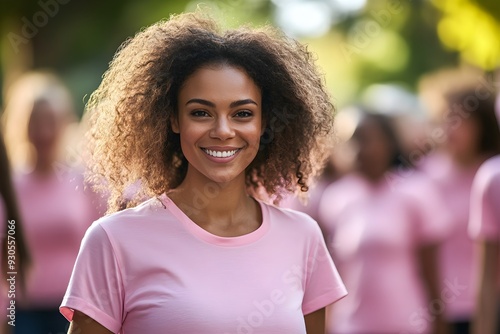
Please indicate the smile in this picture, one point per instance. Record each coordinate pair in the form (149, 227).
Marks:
(220, 154)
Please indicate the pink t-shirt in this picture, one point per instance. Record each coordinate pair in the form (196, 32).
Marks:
(373, 232)
(457, 253)
(56, 213)
(150, 269)
(484, 220)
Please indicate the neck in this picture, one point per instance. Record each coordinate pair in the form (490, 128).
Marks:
(43, 167)
(213, 201)
(471, 161)
(373, 176)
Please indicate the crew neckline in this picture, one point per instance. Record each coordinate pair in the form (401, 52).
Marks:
(214, 239)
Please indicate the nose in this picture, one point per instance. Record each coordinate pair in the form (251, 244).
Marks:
(222, 129)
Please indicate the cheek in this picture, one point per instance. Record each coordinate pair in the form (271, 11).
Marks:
(253, 131)
(44, 132)
(380, 155)
(189, 135)
(464, 135)
(251, 134)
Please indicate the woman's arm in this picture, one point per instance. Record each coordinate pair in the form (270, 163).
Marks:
(315, 322)
(83, 324)
(486, 311)
(429, 269)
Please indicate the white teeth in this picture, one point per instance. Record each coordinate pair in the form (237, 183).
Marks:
(220, 154)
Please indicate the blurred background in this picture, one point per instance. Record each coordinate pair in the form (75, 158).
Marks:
(358, 42)
(399, 58)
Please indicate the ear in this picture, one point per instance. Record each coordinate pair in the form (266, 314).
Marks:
(174, 122)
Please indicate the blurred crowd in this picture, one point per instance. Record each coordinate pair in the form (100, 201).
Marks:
(394, 204)
(398, 212)
(43, 192)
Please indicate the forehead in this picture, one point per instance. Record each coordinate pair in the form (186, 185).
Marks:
(220, 83)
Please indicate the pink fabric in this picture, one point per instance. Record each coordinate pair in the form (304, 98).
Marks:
(484, 220)
(373, 232)
(457, 255)
(311, 208)
(56, 213)
(150, 269)
(4, 300)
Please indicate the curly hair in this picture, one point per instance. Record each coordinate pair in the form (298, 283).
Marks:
(131, 138)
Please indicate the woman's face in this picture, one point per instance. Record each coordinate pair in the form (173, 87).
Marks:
(463, 138)
(219, 122)
(44, 129)
(374, 149)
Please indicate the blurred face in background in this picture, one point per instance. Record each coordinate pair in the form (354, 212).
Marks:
(462, 136)
(374, 149)
(45, 129)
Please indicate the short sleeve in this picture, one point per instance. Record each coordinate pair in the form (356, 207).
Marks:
(323, 285)
(95, 287)
(484, 219)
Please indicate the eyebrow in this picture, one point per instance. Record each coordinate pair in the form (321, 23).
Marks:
(232, 105)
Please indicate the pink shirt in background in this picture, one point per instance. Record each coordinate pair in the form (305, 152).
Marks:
(457, 258)
(56, 213)
(374, 232)
(311, 208)
(150, 269)
(484, 220)
(4, 301)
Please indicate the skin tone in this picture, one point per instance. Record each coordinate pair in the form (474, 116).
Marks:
(463, 140)
(373, 156)
(373, 161)
(45, 129)
(219, 110)
(485, 321)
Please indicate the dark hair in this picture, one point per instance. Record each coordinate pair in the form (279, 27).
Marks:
(131, 136)
(481, 109)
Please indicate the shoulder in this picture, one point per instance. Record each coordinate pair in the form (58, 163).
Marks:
(291, 220)
(489, 172)
(145, 214)
(417, 183)
(347, 181)
(487, 179)
(348, 189)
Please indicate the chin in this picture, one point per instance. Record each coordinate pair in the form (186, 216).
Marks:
(221, 179)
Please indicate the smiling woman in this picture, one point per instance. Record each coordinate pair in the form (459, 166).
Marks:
(220, 132)
(202, 119)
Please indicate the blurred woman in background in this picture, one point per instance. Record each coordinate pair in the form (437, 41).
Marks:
(311, 207)
(54, 208)
(472, 136)
(9, 213)
(383, 237)
(338, 164)
(484, 227)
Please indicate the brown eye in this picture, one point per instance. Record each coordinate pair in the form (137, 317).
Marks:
(199, 113)
(243, 114)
